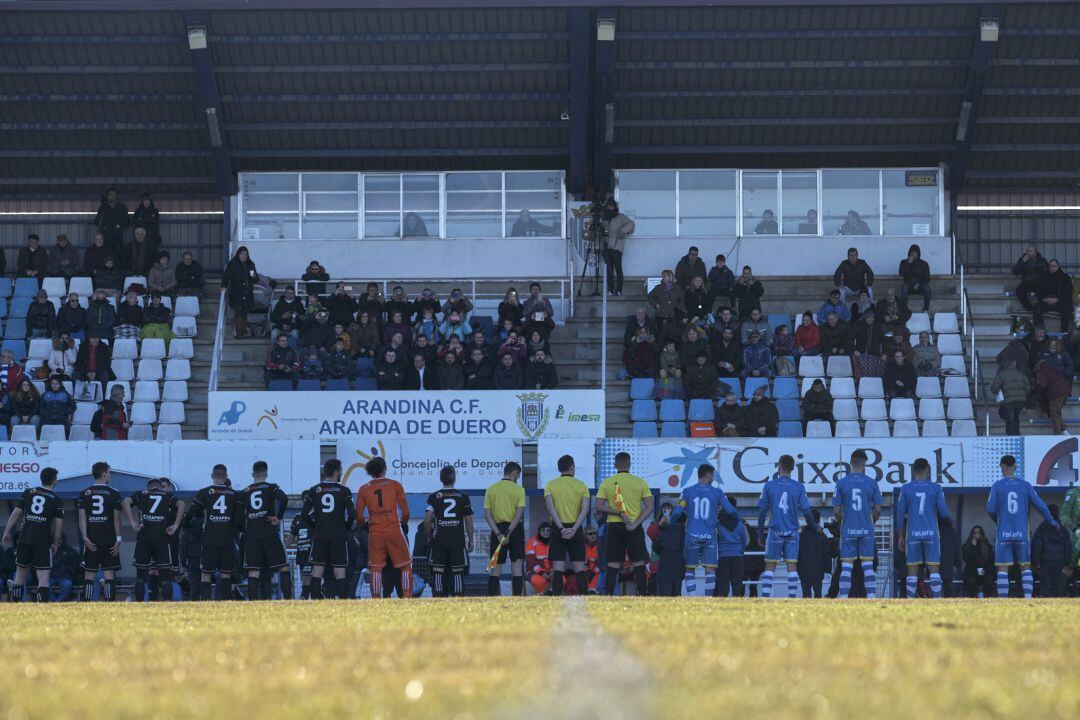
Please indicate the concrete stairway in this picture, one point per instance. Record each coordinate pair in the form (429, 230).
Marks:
(195, 408)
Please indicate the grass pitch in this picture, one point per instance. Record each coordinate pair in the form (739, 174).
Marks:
(509, 658)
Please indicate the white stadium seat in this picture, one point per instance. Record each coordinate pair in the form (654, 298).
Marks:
(184, 327)
(150, 369)
(960, 409)
(182, 348)
(152, 349)
(957, 387)
(964, 428)
(811, 366)
(842, 387)
(847, 429)
(81, 286)
(950, 345)
(187, 306)
(954, 363)
(147, 391)
(928, 387)
(175, 391)
(134, 280)
(876, 429)
(935, 428)
(931, 409)
(839, 366)
(178, 369)
(80, 433)
(845, 409)
(24, 433)
(50, 433)
(169, 432)
(172, 412)
(871, 387)
(873, 409)
(901, 409)
(143, 413)
(40, 349)
(818, 429)
(54, 286)
(945, 322)
(84, 412)
(125, 349)
(140, 432)
(808, 382)
(905, 429)
(123, 370)
(917, 323)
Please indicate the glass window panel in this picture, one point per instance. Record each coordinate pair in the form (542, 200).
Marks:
(381, 225)
(382, 183)
(707, 203)
(335, 227)
(844, 191)
(422, 201)
(418, 183)
(648, 198)
(272, 227)
(549, 181)
(800, 203)
(382, 194)
(474, 225)
(474, 181)
(457, 201)
(760, 200)
(327, 202)
(525, 223)
(523, 200)
(420, 224)
(270, 182)
(276, 202)
(330, 181)
(911, 206)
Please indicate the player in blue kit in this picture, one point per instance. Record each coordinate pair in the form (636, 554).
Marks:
(920, 505)
(699, 503)
(1008, 507)
(782, 499)
(857, 500)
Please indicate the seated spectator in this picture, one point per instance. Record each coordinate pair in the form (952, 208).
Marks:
(914, 275)
(527, 226)
(860, 306)
(148, 217)
(141, 254)
(1052, 389)
(478, 370)
(94, 256)
(162, 277)
(318, 333)
(10, 371)
(110, 422)
(100, 316)
(316, 278)
(925, 357)
(807, 337)
(635, 323)
(1036, 342)
(455, 325)
(364, 335)
(768, 225)
(1032, 269)
(311, 365)
(689, 267)
(757, 359)
(427, 326)
(1015, 387)
(40, 317)
(700, 379)
(26, 405)
(756, 323)
(413, 226)
(540, 373)
(853, 275)
(854, 225)
(452, 346)
(536, 341)
(61, 360)
(508, 373)
(457, 303)
(899, 380)
(286, 316)
(505, 329)
(338, 363)
(898, 343)
(817, 404)
(109, 277)
(748, 291)
(129, 318)
(397, 326)
(342, 305)
(514, 346)
(727, 319)
(33, 261)
(729, 420)
(510, 308)
(728, 354)
(833, 305)
(189, 276)
(834, 336)
(478, 341)
(538, 311)
(693, 343)
(760, 418)
(1057, 357)
(640, 359)
(451, 373)
(670, 361)
(281, 362)
(1055, 295)
(427, 299)
(667, 301)
(420, 376)
(390, 370)
(157, 320)
(57, 405)
(429, 351)
(893, 313)
(93, 362)
(866, 345)
(698, 301)
(71, 318)
(783, 352)
(63, 259)
(721, 281)
(343, 336)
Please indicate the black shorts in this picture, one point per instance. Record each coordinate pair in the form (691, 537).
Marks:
(623, 543)
(328, 551)
(36, 556)
(217, 558)
(174, 550)
(446, 556)
(263, 552)
(303, 559)
(101, 558)
(572, 549)
(153, 553)
(515, 545)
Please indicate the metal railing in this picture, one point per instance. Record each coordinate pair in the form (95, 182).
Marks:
(219, 339)
(967, 324)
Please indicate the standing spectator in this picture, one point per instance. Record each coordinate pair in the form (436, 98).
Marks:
(11, 372)
(148, 218)
(510, 308)
(812, 558)
(757, 358)
(508, 374)
(538, 311)
(756, 323)
(63, 259)
(729, 420)
(697, 300)
(189, 276)
(26, 405)
(316, 278)
(286, 316)
(833, 305)
(1032, 269)
(721, 281)
(71, 318)
(807, 336)
(853, 275)
(817, 404)
(61, 360)
(100, 316)
(668, 540)
(854, 225)
(979, 566)
(162, 278)
(457, 302)
(112, 218)
(364, 335)
(540, 373)
(760, 418)
(450, 371)
(93, 362)
(33, 261)
(899, 380)
(732, 540)
(454, 325)
(65, 566)
(893, 313)
(390, 370)
(342, 307)
(700, 379)
(141, 254)
(748, 291)
(689, 267)
(129, 318)
(57, 405)
(40, 317)
(110, 422)
(427, 299)
(94, 256)
(834, 336)
(1051, 549)
(866, 345)
(399, 302)
(728, 354)
(914, 275)
(768, 225)
(238, 281)
(1055, 295)
(1053, 390)
(617, 227)
(925, 356)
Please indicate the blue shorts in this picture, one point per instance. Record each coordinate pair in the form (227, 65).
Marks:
(853, 548)
(1007, 552)
(778, 547)
(700, 550)
(923, 550)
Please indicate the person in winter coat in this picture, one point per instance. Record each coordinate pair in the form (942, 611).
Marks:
(979, 567)
(853, 275)
(866, 345)
(26, 405)
(834, 336)
(33, 261)
(109, 277)
(364, 335)
(341, 305)
(316, 278)
(338, 362)
(540, 373)
(397, 326)
(732, 540)
(689, 267)
(157, 320)
(914, 275)
(1053, 390)
(697, 300)
(693, 343)
(455, 325)
(1051, 550)
(1054, 293)
(760, 418)
(618, 227)
(511, 308)
(641, 358)
(110, 422)
(817, 404)
(747, 291)
(421, 374)
(668, 540)
(282, 362)
(451, 373)
(729, 421)
(148, 218)
(57, 405)
(40, 317)
(516, 346)
(319, 333)
(756, 322)
(833, 305)
(141, 254)
(457, 302)
(63, 259)
(508, 374)
(721, 281)
(162, 277)
(100, 316)
(112, 217)
(807, 336)
(925, 356)
(62, 359)
(667, 300)
(950, 557)
(11, 372)
(539, 314)
(94, 256)
(1056, 355)
(390, 370)
(700, 379)
(478, 371)
(1032, 269)
(238, 281)
(189, 276)
(728, 354)
(93, 362)
(812, 559)
(899, 379)
(427, 326)
(757, 358)
(893, 313)
(129, 318)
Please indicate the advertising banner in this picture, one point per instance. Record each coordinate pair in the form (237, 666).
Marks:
(416, 463)
(329, 416)
(583, 452)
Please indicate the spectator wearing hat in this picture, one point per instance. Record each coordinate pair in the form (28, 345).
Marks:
(757, 358)
(33, 261)
(914, 275)
(316, 277)
(852, 275)
(63, 259)
(721, 281)
(760, 418)
(700, 378)
(100, 316)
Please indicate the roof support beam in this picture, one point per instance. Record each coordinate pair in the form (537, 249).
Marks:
(978, 74)
(603, 79)
(772, 149)
(578, 150)
(198, 41)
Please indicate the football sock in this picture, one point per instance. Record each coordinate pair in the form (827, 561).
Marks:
(1002, 584)
(583, 582)
(710, 584)
(140, 585)
(517, 584)
(912, 585)
(459, 582)
(285, 582)
(766, 583)
(225, 589)
(315, 588)
(253, 588)
(493, 586)
(165, 580)
(1028, 581)
(690, 583)
(406, 581)
(17, 592)
(155, 587)
(845, 579)
(205, 592)
(43, 594)
(438, 578)
(557, 581)
(88, 590)
(793, 584)
(641, 582)
(185, 585)
(611, 579)
(305, 592)
(935, 584)
(869, 579)
(108, 590)
(376, 585)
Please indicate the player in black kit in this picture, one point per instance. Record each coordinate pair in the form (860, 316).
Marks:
(218, 504)
(160, 515)
(448, 522)
(329, 509)
(99, 523)
(263, 505)
(300, 530)
(42, 524)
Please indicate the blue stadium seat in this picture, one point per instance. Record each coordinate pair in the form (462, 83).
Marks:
(3, 307)
(752, 384)
(734, 385)
(785, 387)
(778, 319)
(5, 287)
(790, 429)
(337, 384)
(788, 409)
(643, 411)
(642, 388)
(279, 385)
(702, 410)
(672, 410)
(673, 430)
(3, 433)
(365, 367)
(309, 384)
(366, 383)
(17, 348)
(483, 322)
(15, 328)
(26, 287)
(19, 306)
(644, 430)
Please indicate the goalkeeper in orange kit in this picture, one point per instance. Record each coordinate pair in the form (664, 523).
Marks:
(382, 498)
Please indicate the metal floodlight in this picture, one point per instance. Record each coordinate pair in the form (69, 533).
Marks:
(605, 29)
(196, 37)
(988, 30)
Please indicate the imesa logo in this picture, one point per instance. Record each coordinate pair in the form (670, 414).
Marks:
(232, 415)
(379, 451)
(270, 417)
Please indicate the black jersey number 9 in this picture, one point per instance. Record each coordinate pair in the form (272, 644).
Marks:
(327, 503)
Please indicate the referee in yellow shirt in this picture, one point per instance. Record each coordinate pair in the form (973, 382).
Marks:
(627, 502)
(567, 501)
(504, 509)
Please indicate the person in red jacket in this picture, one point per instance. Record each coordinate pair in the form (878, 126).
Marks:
(807, 336)
(537, 564)
(1053, 388)
(10, 371)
